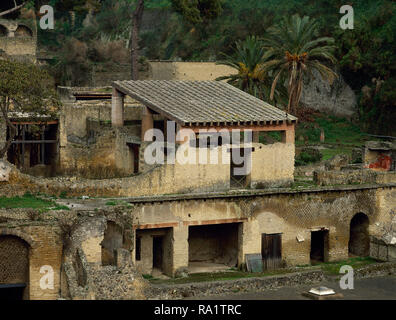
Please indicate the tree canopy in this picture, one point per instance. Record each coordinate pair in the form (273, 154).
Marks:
(24, 88)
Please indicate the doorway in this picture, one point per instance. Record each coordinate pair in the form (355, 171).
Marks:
(158, 252)
(271, 250)
(319, 245)
(359, 240)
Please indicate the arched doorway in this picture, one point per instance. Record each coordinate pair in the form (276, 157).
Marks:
(359, 240)
(14, 268)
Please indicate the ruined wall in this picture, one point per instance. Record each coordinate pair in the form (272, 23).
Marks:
(45, 249)
(361, 176)
(87, 140)
(185, 176)
(20, 42)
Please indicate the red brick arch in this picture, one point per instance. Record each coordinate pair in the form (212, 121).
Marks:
(12, 232)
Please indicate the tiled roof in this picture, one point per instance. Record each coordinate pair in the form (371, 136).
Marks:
(202, 102)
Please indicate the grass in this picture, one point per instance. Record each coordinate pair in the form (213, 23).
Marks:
(111, 203)
(330, 153)
(341, 135)
(337, 131)
(333, 268)
(29, 201)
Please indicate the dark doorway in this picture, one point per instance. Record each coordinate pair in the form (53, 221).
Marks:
(213, 244)
(359, 240)
(319, 245)
(157, 252)
(271, 250)
(134, 151)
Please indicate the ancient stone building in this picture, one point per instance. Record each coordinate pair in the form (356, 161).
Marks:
(175, 218)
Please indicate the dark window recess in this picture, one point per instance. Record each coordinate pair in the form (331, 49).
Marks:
(239, 178)
(157, 252)
(271, 250)
(33, 144)
(209, 141)
(319, 245)
(138, 249)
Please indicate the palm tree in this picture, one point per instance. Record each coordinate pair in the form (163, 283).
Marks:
(294, 49)
(248, 60)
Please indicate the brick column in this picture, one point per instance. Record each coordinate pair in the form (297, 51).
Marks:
(288, 135)
(147, 121)
(117, 109)
(256, 136)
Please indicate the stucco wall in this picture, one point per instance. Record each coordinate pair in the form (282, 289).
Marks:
(169, 70)
(273, 164)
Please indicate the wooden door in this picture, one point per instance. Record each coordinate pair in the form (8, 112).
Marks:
(271, 250)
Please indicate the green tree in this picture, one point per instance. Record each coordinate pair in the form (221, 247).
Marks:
(24, 88)
(248, 60)
(294, 49)
(198, 11)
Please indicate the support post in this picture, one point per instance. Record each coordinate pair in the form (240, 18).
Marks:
(117, 108)
(288, 135)
(147, 121)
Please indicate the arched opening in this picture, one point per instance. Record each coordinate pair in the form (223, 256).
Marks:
(3, 31)
(14, 268)
(23, 32)
(359, 240)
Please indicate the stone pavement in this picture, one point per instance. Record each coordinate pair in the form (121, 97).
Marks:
(379, 288)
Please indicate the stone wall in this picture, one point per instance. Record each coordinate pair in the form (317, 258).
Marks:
(45, 249)
(87, 140)
(18, 43)
(360, 176)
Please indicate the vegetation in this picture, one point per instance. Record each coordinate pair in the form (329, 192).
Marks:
(98, 35)
(24, 88)
(331, 268)
(30, 201)
(293, 47)
(248, 60)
